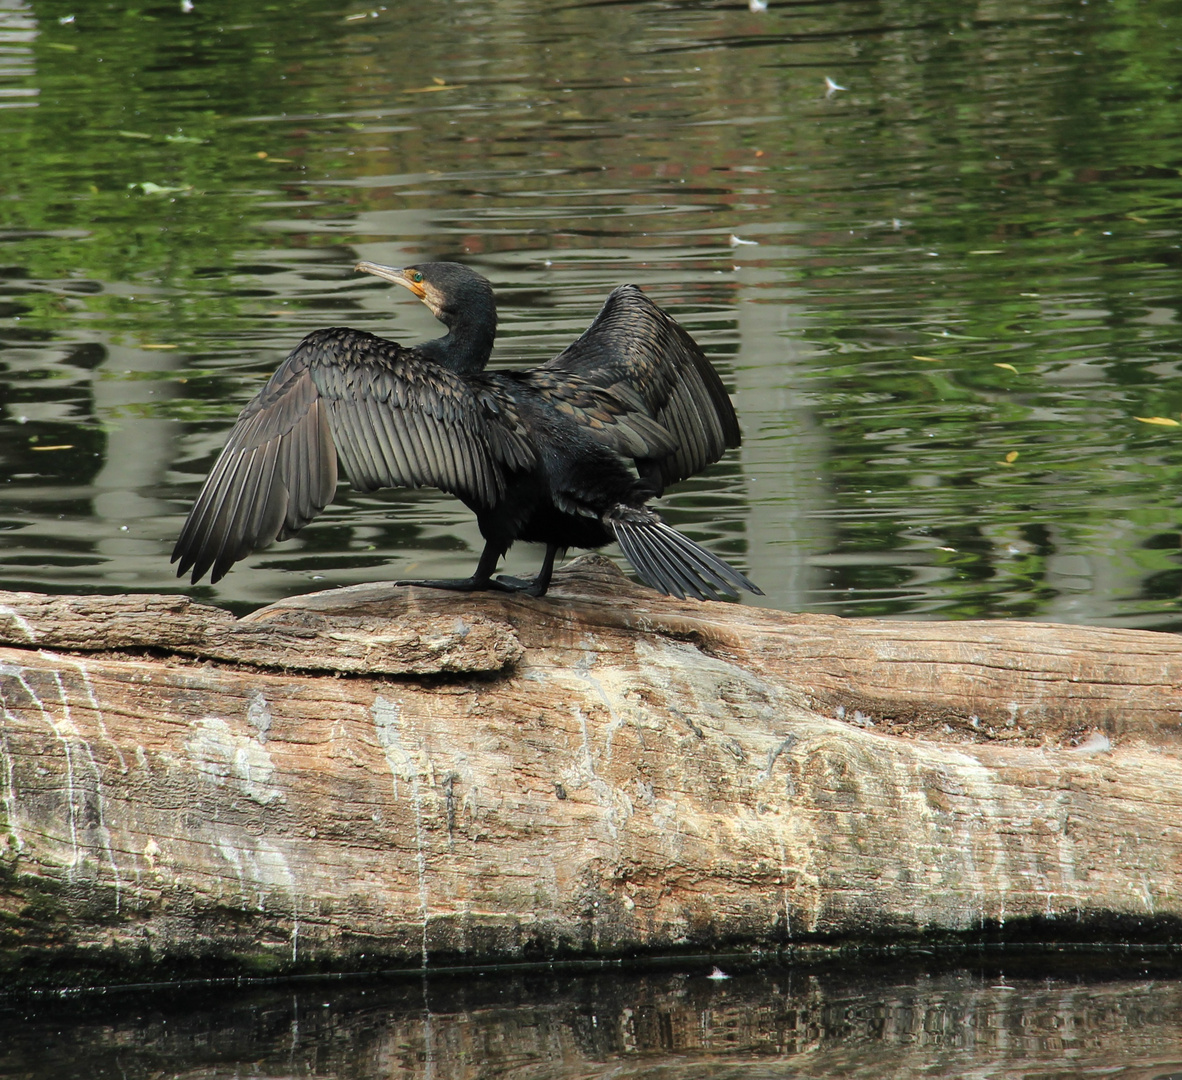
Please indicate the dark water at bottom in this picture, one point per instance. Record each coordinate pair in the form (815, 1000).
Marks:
(1100, 1015)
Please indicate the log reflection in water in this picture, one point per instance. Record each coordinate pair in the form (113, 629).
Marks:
(763, 1022)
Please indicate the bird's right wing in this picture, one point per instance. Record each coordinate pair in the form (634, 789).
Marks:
(276, 473)
(392, 420)
(400, 421)
(647, 360)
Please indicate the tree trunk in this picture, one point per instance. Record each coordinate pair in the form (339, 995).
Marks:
(378, 775)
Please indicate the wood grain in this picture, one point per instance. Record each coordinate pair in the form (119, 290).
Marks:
(380, 775)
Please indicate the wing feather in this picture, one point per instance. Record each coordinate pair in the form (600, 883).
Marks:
(351, 455)
(404, 454)
(263, 507)
(601, 413)
(638, 351)
(420, 458)
(394, 459)
(392, 418)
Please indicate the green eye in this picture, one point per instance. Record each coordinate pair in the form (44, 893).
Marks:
(416, 277)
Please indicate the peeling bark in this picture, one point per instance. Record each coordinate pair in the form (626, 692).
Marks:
(598, 771)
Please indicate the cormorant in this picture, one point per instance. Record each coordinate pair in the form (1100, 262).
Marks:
(567, 454)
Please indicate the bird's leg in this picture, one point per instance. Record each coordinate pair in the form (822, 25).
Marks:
(481, 579)
(540, 584)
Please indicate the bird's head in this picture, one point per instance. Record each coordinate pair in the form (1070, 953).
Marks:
(452, 292)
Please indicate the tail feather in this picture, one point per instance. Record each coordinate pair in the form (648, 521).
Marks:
(671, 563)
(684, 575)
(652, 572)
(654, 565)
(719, 566)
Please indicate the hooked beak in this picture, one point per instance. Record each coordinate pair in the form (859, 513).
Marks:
(395, 274)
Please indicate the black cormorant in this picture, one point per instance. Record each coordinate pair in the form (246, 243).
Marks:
(567, 454)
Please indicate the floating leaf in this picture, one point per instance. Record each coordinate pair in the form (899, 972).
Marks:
(157, 346)
(988, 251)
(61, 46)
(182, 139)
(134, 134)
(1011, 457)
(148, 188)
(1164, 421)
(929, 359)
(1008, 367)
(63, 446)
(1138, 220)
(432, 89)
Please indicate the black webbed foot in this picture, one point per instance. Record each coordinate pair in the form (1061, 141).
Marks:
(531, 587)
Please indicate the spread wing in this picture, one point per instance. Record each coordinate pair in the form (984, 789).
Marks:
(648, 361)
(391, 418)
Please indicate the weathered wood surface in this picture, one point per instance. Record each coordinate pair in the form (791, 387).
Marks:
(600, 770)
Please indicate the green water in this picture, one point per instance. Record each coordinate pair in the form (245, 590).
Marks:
(941, 296)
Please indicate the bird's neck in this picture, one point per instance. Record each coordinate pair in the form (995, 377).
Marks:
(464, 349)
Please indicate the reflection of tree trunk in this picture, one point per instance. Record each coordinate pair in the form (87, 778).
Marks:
(599, 770)
(791, 487)
(140, 450)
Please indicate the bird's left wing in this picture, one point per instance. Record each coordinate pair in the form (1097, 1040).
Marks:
(646, 358)
(621, 425)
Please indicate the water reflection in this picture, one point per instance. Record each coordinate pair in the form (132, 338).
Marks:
(782, 1023)
(942, 296)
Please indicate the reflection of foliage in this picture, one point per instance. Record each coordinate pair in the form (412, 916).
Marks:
(1039, 236)
(134, 143)
(961, 207)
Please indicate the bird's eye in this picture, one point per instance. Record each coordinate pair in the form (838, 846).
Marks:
(416, 277)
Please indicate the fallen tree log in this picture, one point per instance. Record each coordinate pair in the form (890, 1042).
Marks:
(599, 771)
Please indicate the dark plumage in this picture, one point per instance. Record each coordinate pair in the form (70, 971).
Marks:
(567, 454)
